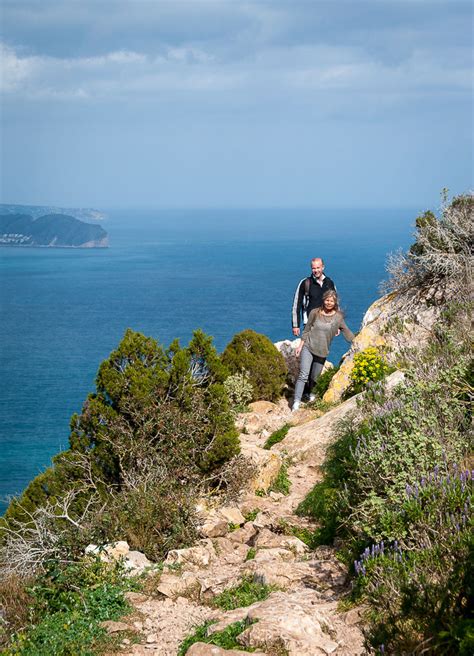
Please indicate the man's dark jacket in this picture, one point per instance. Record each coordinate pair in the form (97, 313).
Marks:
(302, 304)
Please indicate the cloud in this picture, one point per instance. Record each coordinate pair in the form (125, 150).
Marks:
(278, 70)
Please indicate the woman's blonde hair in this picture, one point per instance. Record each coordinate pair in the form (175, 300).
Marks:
(333, 293)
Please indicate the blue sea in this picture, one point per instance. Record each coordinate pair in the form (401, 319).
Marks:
(166, 273)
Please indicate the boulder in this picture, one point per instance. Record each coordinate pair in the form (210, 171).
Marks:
(108, 552)
(268, 539)
(136, 598)
(267, 464)
(174, 586)
(194, 557)
(263, 407)
(243, 535)
(231, 515)
(136, 563)
(214, 527)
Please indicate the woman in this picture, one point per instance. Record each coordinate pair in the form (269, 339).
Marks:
(323, 325)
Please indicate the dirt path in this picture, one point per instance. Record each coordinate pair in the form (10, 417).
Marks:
(302, 615)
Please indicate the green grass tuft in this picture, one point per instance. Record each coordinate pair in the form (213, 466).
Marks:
(277, 436)
(244, 594)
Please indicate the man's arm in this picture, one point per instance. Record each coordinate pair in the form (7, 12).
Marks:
(296, 308)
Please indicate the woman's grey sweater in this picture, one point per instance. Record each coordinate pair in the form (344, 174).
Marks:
(321, 330)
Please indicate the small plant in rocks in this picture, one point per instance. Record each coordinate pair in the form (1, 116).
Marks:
(246, 593)
(282, 482)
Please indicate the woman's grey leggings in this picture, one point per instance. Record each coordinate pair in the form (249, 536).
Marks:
(309, 363)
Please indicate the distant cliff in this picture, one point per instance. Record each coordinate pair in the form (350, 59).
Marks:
(35, 211)
(51, 230)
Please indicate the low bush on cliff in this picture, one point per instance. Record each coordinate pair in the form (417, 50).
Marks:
(157, 432)
(256, 356)
(438, 266)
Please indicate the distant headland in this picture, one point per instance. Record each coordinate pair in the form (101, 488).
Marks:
(30, 226)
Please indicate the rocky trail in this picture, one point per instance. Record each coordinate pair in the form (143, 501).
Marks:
(253, 539)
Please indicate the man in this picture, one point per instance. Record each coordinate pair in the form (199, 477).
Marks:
(309, 294)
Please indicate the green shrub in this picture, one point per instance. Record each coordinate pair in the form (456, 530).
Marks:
(251, 553)
(156, 432)
(153, 519)
(251, 515)
(264, 365)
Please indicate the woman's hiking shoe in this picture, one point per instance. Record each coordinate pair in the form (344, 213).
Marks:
(312, 397)
(296, 406)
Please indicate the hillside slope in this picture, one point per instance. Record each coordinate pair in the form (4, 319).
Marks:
(51, 230)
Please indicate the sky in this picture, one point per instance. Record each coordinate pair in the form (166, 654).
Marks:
(235, 103)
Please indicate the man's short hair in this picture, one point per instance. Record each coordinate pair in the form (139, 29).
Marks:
(313, 259)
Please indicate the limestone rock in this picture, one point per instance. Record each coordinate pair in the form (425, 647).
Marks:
(108, 552)
(273, 555)
(135, 563)
(198, 556)
(136, 598)
(264, 417)
(263, 407)
(232, 515)
(243, 535)
(276, 496)
(309, 441)
(353, 616)
(277, 570)
(214, 527)
(267, 539)
(268, 465)
(230, 552)
(297, 623)
(174, 586)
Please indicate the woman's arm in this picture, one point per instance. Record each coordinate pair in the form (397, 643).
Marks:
(348, 334)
